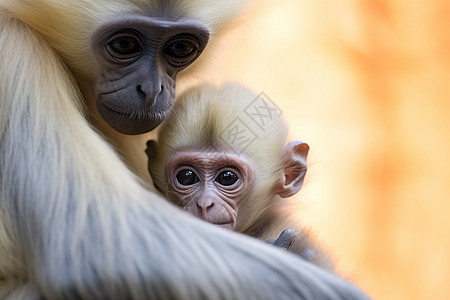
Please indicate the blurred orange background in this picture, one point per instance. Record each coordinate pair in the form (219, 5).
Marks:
(367, 85)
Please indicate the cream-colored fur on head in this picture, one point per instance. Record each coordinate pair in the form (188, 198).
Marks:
(76, 20)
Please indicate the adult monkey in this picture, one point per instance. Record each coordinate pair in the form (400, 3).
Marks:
(75, 222)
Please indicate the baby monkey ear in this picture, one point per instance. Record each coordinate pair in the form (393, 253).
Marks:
(294, 168)
(152, 154)
(151, 149)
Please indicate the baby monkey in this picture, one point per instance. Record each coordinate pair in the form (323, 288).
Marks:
(222, 155)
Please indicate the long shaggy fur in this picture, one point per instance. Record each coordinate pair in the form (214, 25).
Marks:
(75, 222)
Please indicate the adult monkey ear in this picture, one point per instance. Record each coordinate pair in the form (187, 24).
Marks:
(294, 169)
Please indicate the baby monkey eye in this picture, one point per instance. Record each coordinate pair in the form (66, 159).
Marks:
(227, 178)
(187, 177)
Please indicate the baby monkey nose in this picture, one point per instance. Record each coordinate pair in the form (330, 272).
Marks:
(204, 205)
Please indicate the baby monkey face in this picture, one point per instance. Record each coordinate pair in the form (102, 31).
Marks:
(210, 185)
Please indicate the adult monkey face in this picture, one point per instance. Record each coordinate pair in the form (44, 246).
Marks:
(140, 58)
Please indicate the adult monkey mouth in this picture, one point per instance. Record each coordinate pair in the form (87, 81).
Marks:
(120, 113)
(132, 122)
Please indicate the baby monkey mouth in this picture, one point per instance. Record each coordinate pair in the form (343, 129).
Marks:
(222, 222)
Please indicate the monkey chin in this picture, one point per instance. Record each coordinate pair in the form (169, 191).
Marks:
(131, 123)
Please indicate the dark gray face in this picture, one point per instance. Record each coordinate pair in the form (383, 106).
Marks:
(140, 58)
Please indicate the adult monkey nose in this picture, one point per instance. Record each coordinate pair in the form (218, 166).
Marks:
(150, 91)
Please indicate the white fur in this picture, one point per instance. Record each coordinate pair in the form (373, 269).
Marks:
(76, 223)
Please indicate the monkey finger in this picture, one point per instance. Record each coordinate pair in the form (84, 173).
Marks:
(285, 239)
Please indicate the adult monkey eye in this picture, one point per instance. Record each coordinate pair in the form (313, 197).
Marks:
(181, 50)
(124, 46)
(187, 177)
(227, 178)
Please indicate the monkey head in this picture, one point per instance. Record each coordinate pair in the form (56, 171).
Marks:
(126, 56)
(201, 168)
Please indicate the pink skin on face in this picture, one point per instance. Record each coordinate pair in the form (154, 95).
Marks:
(210, 184)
